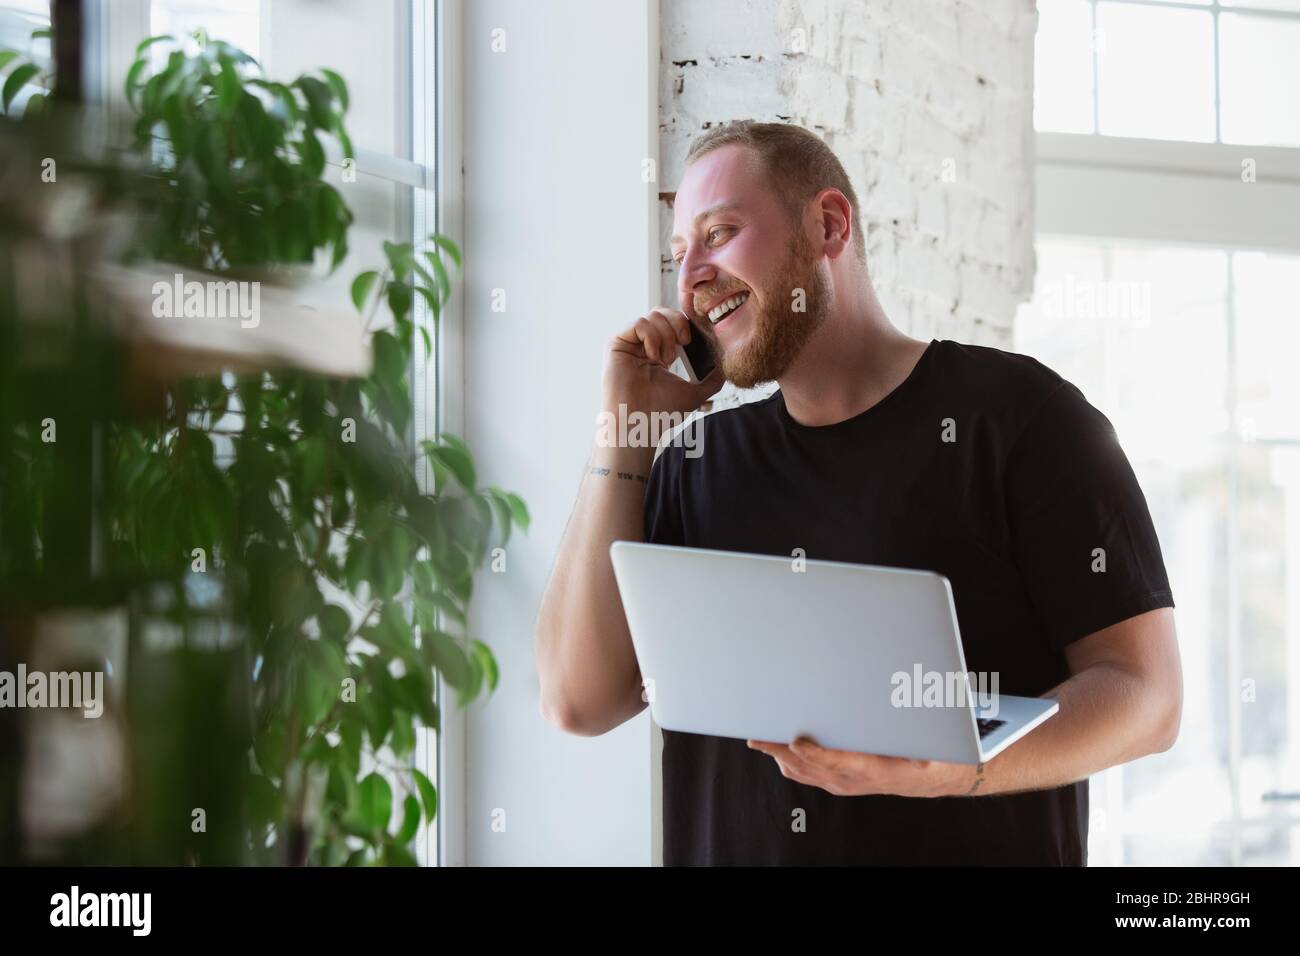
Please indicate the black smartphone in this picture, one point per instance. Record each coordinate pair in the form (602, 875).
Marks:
(697, 356)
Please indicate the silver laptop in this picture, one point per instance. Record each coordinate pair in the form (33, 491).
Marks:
(857, 657)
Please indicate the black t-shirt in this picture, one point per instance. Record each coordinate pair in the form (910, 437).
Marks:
(983, 465)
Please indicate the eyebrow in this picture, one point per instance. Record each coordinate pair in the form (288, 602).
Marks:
(711, 211)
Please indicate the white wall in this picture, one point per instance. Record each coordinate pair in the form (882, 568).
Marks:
(557, 215)
(927, 103)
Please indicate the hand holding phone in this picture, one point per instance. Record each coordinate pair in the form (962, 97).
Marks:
(638, 362)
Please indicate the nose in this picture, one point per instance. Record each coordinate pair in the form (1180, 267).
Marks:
(696, 270)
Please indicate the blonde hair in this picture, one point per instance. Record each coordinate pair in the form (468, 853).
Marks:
(796, 160)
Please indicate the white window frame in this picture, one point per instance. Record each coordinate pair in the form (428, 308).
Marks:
(1214, 8)
(1181, 193)
(432, 167)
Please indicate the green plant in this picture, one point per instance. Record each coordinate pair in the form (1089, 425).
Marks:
(358, 581)
(23, 70)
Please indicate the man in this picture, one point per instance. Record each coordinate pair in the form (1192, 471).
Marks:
(878, 448)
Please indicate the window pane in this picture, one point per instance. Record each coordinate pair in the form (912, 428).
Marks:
(1063, 67)
(1155, 72)
(1259, 75)
(1265, 291)
(1141, 329)
(1268, 580)
(18, 20)
(238, 22)
(1166, 377)
(1058, 325)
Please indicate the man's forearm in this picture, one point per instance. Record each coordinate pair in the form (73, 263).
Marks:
(1108, 716)
(585, 659)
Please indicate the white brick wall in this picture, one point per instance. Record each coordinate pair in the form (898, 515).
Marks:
(901, 90)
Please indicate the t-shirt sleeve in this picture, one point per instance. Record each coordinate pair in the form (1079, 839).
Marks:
(1081, 533)
(663, 513)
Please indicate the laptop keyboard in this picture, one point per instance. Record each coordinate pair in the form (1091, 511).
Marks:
(987, 725)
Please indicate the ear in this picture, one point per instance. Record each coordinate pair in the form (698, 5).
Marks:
(834, 221)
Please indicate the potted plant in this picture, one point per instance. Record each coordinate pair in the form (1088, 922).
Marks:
(349, 580)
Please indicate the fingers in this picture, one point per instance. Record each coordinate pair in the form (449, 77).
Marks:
(681, 325)
(657, 336)
(789, 763)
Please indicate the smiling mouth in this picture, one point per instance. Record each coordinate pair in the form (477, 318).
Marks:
(723, 310)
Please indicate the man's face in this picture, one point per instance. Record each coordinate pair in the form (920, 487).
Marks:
(731, 237)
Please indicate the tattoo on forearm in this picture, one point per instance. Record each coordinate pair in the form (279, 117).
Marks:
(979, 779)
(625, 475)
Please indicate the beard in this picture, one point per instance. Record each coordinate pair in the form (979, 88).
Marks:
(779, 331)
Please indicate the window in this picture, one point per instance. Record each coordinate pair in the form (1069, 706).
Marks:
(387, 55)
(22, 31)
(19, 19)
(1197, 71)
(1165, 290)
(235, 21)
(1184, 348)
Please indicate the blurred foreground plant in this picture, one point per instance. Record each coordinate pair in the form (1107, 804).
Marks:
(356, 580)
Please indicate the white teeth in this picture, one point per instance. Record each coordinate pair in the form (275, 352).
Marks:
(722, 308)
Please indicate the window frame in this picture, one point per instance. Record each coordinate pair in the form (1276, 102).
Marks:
(1214, 8)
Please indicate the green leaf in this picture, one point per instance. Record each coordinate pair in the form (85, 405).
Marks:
(350, 744)
(402, 741)
(430, 298)
(442, 242)
(415, 689)
(428, 794)
(319, 99)
(456, 457)
(518, 509)
(501, 509)
(345, 142)
(392, 633)
(444, 283)
(361, 287)
(7, 56)
(400, 257)
(312, 154)
(36, 104)
(411, 820)
(150, 41)
(397, 855)
(43, 34)
(339, 87)
(133, 79)
(488, 662)
(228, 86)
(447, 655)
(390, 366)
(335, 622)
(447, 606)
(399, 299)
(376, 805)
(287, 102)
(16, 81)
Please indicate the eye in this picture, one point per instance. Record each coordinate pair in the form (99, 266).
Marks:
(716, 229)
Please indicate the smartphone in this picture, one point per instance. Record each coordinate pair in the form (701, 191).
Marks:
(697, 357)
